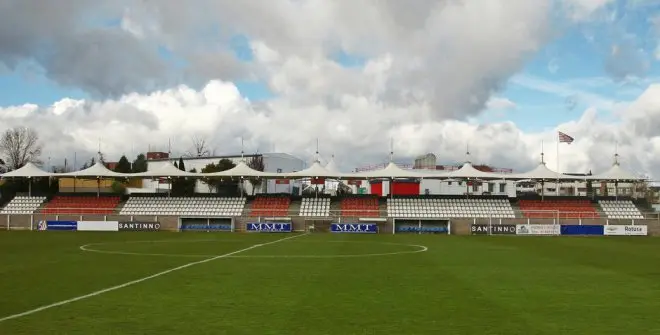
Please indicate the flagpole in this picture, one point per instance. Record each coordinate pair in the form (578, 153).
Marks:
(557, 181)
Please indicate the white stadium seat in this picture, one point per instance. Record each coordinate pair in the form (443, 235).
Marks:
(449, 208)
(184, 206)
(315, 207)
(620, 209)
(23, 205)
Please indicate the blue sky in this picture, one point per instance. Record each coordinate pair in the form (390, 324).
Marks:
(556, 85)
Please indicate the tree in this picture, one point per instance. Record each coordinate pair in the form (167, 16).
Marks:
(218, 184)
(20, 145)
(200, 148)
(182, 165)
(256, 163)
(123, 165)
(140, 163)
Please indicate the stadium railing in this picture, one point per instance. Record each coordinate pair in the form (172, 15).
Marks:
(30, 221)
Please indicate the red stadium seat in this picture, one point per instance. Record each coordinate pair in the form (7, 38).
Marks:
(81, 205)
(564, 209)
(275, 206)
(360, 207)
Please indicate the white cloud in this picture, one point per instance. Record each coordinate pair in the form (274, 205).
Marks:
(355, 133)
(499, 103)
(429, 66)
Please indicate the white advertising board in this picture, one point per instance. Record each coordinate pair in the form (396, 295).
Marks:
(538, 229)
(626, 230)
(98, 226)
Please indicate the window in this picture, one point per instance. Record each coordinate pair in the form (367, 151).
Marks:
(502, 188)
(491, 187)
(449, 183)
(475, 187)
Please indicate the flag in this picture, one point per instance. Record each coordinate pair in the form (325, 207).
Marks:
(563, 138)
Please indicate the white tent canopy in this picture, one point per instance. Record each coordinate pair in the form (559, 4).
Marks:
(467, 171)
(96, 170)
(332, 166)
(541, 172)
(29, 170)
(315, 170)
(390, 171)
(240, 170)
(166, 170)
(615, 173)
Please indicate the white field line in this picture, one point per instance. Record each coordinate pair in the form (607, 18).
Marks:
(137, 281)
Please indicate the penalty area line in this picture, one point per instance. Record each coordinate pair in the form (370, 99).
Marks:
(137, 281)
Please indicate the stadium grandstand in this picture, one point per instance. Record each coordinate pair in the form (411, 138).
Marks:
(287, 190)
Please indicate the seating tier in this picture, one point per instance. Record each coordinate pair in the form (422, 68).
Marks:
(23, 205)
(184, 206)
(449, 208)
(567, 209)
(315, 207)
(103, 205)
(620, 209)
(276, 206)
(360, 207)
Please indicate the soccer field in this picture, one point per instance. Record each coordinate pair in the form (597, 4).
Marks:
(326, 284)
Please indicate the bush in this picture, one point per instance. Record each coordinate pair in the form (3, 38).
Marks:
(118, 187)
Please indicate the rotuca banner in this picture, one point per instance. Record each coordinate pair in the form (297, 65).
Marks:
(269, 227)
(626, 230)
(496, 229)
(364, 228)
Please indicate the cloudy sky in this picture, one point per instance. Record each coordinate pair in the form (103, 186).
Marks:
(501, 76)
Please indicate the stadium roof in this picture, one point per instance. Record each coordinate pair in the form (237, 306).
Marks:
(96, 170)
(390, 171)
(29, 170)
(240, 170)
(166, 170)
(615, 173)
(332, 166)
(541, 172)
(467, 171)
(315, 170)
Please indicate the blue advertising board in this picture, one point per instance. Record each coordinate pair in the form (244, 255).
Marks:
(57, 225)
(582, 230)
(422, 229)
(365, 228)
(269, 227)
(205, 227)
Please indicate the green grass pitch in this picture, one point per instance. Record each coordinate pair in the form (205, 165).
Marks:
(328, 284)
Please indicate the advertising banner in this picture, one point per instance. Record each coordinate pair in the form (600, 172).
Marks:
(429, 229)
(139, 226)
(538, 229)
(626, 230)
(98, 226)
(496, 229)
(365, 228)
(269, 227)
(582, 229)
(205, 227)
(57, 225)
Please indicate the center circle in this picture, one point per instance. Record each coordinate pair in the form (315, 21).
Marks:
(211, 248)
